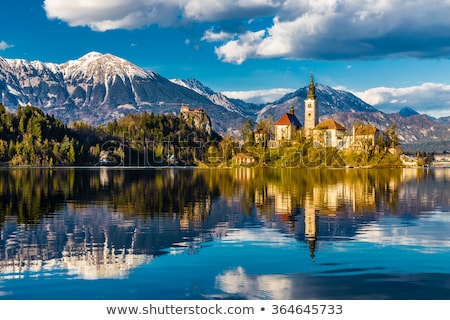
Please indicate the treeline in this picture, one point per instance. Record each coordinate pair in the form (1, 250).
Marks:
(31, 137)
(157, 139)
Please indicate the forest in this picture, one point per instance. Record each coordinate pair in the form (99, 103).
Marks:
(29, 137)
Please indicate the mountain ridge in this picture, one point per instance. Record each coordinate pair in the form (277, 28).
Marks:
(98, 88)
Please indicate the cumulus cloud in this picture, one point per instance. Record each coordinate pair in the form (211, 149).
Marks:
(350, 29)
(201, 10)
(212, 36)
(301, 29)
(4, 45)
(430, 98)
(103, 15)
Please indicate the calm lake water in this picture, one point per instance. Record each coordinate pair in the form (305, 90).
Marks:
(116, 233)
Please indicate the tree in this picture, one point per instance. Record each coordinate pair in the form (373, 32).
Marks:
(71, 153)
(247, 131)
(391, 136)
(266, 125)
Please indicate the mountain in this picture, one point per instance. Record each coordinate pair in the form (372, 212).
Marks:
(407, 112)
(245, 109)
(98, 88)
(214, 97)
(418, 132)
(330, 101)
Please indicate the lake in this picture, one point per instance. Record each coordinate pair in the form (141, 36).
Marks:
(181, 233)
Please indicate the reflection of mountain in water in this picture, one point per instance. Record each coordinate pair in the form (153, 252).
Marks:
(90, 229)
(101, 223)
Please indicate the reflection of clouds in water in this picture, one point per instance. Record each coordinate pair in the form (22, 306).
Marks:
(265, 236)
(430, 233)
(238, 282)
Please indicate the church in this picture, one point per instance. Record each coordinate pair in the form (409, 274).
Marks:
(328, 133)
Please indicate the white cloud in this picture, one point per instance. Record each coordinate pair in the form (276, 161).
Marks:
(259, 96)
(299, 29)
(240, 50)
(211, 36)
(201, 10)
(103, 15)
(4, 45)
(333, 29)
(430, 98)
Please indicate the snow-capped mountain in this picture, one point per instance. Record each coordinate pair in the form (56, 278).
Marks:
(98, 88)
(347, 109)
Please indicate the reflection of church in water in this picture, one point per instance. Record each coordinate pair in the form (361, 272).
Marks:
(316, 216)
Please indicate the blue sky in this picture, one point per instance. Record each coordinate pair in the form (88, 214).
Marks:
(391, 53)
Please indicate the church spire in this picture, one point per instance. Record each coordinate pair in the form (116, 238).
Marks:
(311, 89)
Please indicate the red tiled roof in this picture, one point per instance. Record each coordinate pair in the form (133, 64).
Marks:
(288, 119)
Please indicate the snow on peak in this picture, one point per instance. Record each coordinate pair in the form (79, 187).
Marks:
(194, 85)
(100, 67)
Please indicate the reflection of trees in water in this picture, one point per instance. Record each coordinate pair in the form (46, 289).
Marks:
(119, 218)
(27, 195)
(107, 222)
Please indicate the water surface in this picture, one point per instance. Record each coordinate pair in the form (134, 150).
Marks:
(118, 233)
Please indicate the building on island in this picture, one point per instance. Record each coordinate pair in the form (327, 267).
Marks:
(287, 127)
(311, 109)
(330, 133)
(196, 117)
(262, 136)
(242, 159)
(365, 136)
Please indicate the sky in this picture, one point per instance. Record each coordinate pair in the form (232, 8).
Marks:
(390, 53)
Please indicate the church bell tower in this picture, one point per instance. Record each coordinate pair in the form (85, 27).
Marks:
(311, 109)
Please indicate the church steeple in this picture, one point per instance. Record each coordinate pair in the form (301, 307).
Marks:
(311, 109)
(311, 89)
